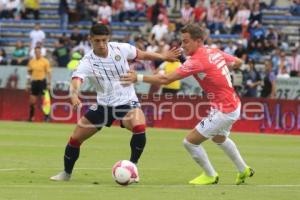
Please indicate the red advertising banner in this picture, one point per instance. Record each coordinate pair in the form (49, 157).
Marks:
(257, 115)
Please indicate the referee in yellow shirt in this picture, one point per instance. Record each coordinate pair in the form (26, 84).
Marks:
(39, 71)
(166, 68)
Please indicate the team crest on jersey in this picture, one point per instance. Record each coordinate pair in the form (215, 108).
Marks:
(117, 57)
(202, 124)
(93, 107)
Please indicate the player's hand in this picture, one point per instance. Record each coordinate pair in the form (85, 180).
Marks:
(76, 103)
(129, 78)
(172, 55)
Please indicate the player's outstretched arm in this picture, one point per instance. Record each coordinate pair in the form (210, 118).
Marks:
(236, 64)
(74, 92)
(157, 79)
(171, 55)
(232, 62)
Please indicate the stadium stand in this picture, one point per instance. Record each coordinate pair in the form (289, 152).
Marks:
(256, 42)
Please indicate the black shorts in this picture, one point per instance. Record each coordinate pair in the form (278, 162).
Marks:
(38, 87)
(169, 91)
(100, 115)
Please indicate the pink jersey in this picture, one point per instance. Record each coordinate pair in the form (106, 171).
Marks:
(209, 67)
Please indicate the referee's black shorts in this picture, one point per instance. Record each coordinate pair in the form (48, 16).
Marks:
(100, 115)
(38, 87)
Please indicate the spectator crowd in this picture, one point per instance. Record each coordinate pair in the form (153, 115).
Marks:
(265, 50)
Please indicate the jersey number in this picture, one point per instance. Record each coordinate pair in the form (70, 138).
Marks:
(226, 73)
(221, 64)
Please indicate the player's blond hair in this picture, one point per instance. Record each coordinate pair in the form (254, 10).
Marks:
(195, 31)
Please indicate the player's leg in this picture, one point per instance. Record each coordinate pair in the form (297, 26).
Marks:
(230, 148)
(32, 102)
(84, 130)
(134, 121)
(192, 143)
(93, 121)
(34, 92)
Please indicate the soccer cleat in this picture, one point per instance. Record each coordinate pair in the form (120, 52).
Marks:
(203, 179)
(136, 180)
(241, 176)
(62, 176)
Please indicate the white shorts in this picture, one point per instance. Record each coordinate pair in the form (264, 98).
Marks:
(218, 123)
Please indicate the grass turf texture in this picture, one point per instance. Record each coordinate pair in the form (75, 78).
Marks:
(31, 153)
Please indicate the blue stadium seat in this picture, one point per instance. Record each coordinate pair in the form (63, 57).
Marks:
(54, 4)
(225, 36)
(57, 31)
(26, 40)
(49, 31)
(30, 21)
(49, 4)
(55, 21)
(279, 8)
(48, 12)
(281, 17)
(82, 23)
(129, 24)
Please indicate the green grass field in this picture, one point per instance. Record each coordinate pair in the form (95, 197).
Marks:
(30, 153)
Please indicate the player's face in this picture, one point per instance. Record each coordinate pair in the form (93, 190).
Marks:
(99, 44)
(188, 44)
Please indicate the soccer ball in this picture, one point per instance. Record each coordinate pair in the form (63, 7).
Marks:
(125, 172)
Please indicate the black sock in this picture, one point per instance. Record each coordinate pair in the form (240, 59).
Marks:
(71, 155)
(31, 112)
(137, 144)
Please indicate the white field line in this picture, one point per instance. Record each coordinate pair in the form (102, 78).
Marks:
(142, 186)
(82, 168)
(24, 169)
(55, 168)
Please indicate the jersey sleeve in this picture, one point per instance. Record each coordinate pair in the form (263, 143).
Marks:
(228, 58)
(189, 67)
(83, 70)
(129, 51)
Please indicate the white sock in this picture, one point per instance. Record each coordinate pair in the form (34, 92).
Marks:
(198, 153)
(231, 150)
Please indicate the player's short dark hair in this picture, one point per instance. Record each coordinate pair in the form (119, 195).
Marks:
(100, 29)
(194, 30)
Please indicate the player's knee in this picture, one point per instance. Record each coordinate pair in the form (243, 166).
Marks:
(138, 129)
(74, 142)
(219, 139)
(186, 143)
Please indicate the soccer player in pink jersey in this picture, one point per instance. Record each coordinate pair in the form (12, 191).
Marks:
(210, 67)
